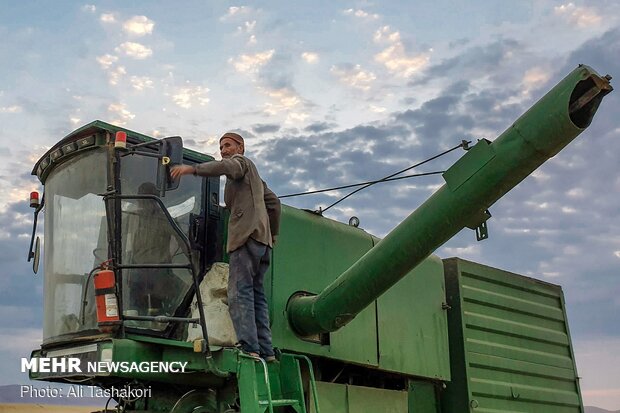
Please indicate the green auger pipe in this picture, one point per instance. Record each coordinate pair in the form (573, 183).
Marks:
(476, 181)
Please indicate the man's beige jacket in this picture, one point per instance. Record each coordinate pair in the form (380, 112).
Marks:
(254, 208)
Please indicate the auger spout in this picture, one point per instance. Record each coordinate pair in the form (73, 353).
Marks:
(475, 182)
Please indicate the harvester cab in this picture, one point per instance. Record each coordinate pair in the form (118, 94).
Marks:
(131, 256)
(111, 205)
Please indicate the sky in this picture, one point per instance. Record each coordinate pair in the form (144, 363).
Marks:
(331, 93)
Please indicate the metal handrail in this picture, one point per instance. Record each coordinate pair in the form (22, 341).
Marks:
(312, 380)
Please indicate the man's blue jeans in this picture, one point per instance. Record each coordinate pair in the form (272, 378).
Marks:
(246, 297)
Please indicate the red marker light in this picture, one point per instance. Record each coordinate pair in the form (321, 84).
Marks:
(121, 140)
(34, 199)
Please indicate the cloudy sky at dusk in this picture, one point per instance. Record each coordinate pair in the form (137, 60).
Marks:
(331, 93)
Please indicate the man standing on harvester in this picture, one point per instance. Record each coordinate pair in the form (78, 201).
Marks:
(252, 230)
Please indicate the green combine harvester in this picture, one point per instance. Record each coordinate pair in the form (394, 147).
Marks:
(362, 324)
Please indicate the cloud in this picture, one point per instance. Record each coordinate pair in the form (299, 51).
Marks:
(248, 26)
(385, 34)
(107, 60)
(107, 18)
(377, 109)
(485, 61)
(236, 11)
(598, 363)
(114, 72)
(354, 76)
(285, 101)
(535, 78)
(121, 115)
(582, 17)
(16, 220)
(576, 193)
(395, 58)
(18, 341)
(361, 14)
(139, 26)
(319, 127)
(246, 63)
(310, 57)
(11, 109)
(260, 128)
(14, 339)
(471, 252)
(187, 96)
(273, 76)
(141, 82)
(134, 50)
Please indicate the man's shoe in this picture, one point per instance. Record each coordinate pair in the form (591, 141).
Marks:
(270, 359)
(247, 353)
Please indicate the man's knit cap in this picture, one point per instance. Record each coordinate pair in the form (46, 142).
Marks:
(234, 136)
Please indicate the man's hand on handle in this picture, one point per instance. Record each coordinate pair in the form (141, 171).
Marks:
(180, 170)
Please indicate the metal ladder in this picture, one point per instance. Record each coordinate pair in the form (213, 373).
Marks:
(273, 385)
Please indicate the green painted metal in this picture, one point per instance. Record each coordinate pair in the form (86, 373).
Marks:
(343, 398)
(99, 129)
(333, 398)
(475, 182)
(266, 387)
(412, 325)
(423, 397)
(389, 335)
(248, 385)
(371, 400)
(98, 125)
(310, 253)
(291, 381)
(510, 347)
(312, 380)
(149, 349)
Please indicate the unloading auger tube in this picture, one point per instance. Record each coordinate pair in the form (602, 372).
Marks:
(476, 181)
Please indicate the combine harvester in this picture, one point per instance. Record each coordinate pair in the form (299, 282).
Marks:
(362, 324)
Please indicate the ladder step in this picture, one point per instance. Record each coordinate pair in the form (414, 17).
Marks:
(279, 402)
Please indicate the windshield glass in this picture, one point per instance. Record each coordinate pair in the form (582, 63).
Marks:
(75, 242)
(148, 238)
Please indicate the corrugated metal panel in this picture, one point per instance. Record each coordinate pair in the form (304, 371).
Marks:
(516, 350)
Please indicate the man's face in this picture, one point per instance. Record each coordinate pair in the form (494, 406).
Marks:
(230, 147)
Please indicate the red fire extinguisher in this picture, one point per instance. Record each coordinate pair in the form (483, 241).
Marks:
(108, 317)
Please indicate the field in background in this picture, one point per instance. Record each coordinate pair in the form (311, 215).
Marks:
(28, 408)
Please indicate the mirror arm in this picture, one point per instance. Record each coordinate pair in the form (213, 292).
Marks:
(34, 227)
(154, 144)
(130, 151)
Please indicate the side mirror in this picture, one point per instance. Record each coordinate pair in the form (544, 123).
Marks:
(34, 253)
(171, 151)
(37, 255)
